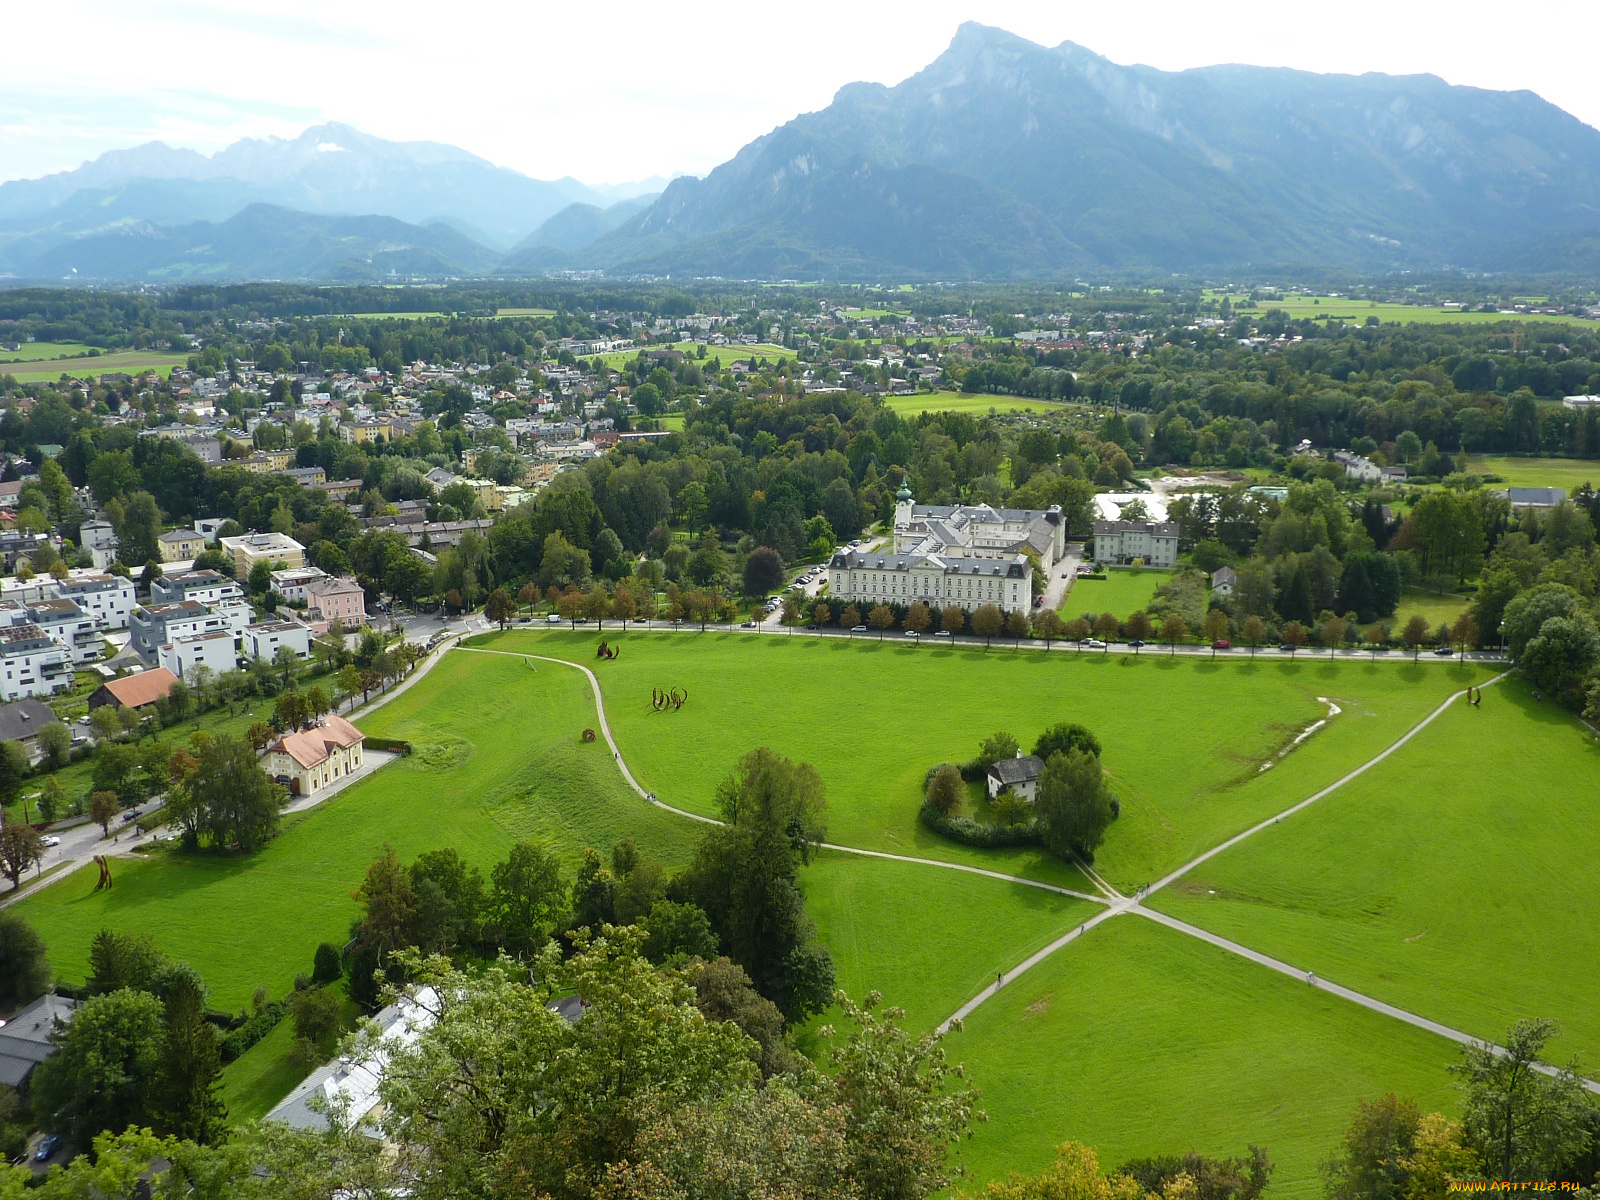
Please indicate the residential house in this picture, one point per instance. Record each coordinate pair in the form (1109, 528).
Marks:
(108, 599)
(217, 651)
(180, 545)
(342, 489)
(133, 691)
(1155, 543)
(308, 760)
(1019, 775)
(350, 1086)
(155, 625)
(264, 641)
(202, 587)
(98, 538)
(334, 598)
(21, 722)
(277, 549)
(27, 1039)
(1357, 467)
(1224, 581)
(62, 619)
(306, 476)
(33, 663)
(362, 432)
(290, 583)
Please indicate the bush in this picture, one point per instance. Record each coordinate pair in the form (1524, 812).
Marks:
(975, 833)
(392, 745)
(325, 967)
(945, 788)
(256, 1027)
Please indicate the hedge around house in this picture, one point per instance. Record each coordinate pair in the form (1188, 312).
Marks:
(256, 1027)
(977, 833)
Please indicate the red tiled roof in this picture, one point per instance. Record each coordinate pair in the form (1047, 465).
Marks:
(308, 747)
(135, 691)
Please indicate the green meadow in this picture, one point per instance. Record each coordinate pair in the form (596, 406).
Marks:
(1564, 473)
(1185, 741)
(1356, 312)
(1119, 593)
(1437, 608)
(1138, 1040)
(979, 404)
(1450, 879)
(131, 362)
(1457, 881)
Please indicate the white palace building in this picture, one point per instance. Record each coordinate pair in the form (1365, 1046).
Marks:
(966, 555)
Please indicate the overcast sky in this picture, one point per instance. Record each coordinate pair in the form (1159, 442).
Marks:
(615, 91)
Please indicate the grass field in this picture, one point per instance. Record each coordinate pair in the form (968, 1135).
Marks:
(1139, 1041)
(1456, 880)
(727, 355)
(1135, 1039)
(1357, 311)
(1436, 608)
(976, 403)
(1120, 593)
(127, 361)
(1566, 473)
(522, 774)
(37, 351)
(1185, 740)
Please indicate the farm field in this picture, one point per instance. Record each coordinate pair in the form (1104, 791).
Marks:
(1139, 1040)
(1182, 790)
(1566, 473)
(129, 361)
(1456, 880)
(37, 351)
(976, 403)
(1119, 593)
(1357, 311)
(1438, 609)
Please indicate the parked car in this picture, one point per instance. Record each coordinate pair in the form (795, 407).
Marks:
(554, 619)
(747, 625)
(1094, 643)
(133, 814)
(49, 841)
(1038, 600)
(48, 1145)
(911, 633)
(1222, 644)
(942, 633)
(858, 629)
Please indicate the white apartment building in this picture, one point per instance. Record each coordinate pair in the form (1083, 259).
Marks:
(203, 587)
(1155, 543)
(214, 650)
(73, 629)
(264, 641)
(32, 663)
(977, 530)
(107, 598)
(290, 583)
(248, 549)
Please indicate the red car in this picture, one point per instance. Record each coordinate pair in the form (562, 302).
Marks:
(1222, 644)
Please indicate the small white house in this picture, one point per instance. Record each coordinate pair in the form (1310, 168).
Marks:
(1020, 775)
(1224, 581)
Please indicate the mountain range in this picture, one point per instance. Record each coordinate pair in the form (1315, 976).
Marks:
(1001, 159)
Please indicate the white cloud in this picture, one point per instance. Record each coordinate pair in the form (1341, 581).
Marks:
(628, 89)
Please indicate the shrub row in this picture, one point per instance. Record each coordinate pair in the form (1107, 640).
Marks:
(256, 1027)
(392, 745)
(976, 833)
